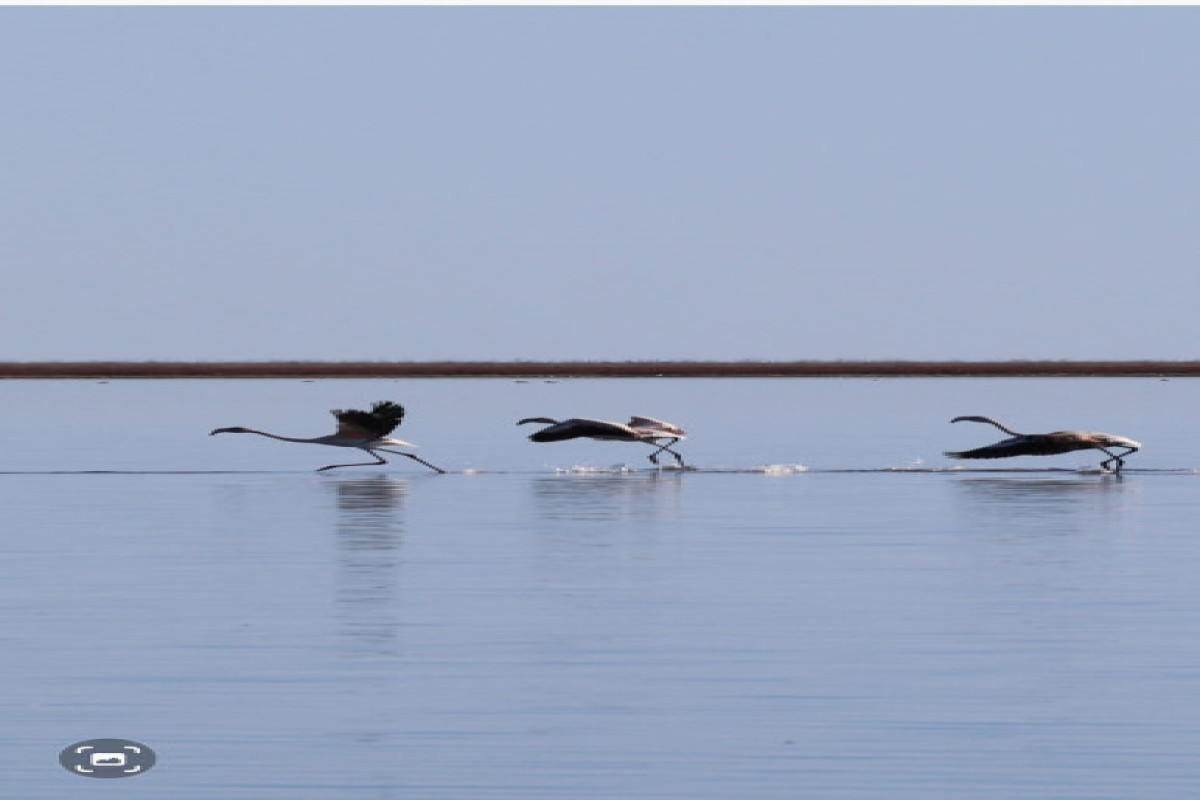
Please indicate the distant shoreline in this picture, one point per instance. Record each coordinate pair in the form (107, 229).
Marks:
(594, 369)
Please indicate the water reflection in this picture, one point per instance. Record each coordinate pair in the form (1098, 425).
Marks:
(369, 528)
(589, 526)
(1057, 501)
(607, 497)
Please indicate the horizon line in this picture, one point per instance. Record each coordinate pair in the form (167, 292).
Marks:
(529, 368)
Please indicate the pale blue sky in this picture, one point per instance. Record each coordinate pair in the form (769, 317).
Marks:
(600, 183)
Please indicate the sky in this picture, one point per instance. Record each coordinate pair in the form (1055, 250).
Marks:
(600, 183)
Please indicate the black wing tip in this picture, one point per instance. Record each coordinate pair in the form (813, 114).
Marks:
(387, 407)
(982, 452)
(381, 420)
(378, 405)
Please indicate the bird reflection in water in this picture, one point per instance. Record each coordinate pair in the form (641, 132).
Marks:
(606, 496)
(590, 526)
(1016, 501)
(369, 537)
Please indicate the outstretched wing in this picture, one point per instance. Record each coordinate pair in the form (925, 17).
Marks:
(381, 420)
(658, 426)
(583, 429)
(1029, 445)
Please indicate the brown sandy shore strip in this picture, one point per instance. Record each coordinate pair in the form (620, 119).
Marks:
(594, 369)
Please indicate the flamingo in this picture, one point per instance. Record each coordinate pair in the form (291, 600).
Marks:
(638, 429)
(366, 430)
(1048, 444)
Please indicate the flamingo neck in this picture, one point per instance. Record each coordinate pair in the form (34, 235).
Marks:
(280, 438)
(1001, 427)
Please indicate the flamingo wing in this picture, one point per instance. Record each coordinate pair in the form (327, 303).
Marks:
(381, 420)
(657, 426)
(1045, 444)
(583, 429)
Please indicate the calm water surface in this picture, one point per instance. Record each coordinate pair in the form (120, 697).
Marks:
(825, 608)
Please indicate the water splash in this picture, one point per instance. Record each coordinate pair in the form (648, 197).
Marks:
(782, 469)
(912, 465)
(580, 469)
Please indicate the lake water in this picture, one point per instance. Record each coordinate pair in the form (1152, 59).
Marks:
(824, 608)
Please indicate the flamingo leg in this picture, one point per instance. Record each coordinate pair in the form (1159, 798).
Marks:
(1119, 459)
(416, 458)
(667, 447)
(381, 460)
(678, 457)
(1114, 458)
